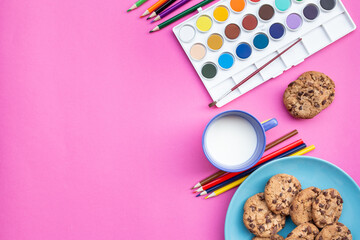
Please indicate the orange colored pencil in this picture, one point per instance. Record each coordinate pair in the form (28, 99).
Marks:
(153, 7)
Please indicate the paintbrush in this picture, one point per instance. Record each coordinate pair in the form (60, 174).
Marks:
(253, 74)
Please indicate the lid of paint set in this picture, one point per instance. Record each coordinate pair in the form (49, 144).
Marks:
(232, 36)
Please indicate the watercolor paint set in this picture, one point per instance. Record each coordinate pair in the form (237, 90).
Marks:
(232, 38)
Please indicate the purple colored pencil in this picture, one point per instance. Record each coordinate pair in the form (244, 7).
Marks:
(170, 10)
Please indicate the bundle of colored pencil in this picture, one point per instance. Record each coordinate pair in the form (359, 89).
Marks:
(221, 182)
(162, 8)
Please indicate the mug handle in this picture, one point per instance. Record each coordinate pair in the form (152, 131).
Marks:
(269, 124)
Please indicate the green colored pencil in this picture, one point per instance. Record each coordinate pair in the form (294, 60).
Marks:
(137, 4)
(181, 15)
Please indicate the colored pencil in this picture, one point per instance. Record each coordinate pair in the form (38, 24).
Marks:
(220, 185)
(137, 4)
(170, 10)
(181, 15)
(267, 147)
(262, 160)
(303, 151)
(161, 8)
(238, 182)
(153, 7)
(253, 74)
(209, 179)
(226, 188)
(282, 139)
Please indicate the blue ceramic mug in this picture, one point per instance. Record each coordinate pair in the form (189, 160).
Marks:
(234, 141)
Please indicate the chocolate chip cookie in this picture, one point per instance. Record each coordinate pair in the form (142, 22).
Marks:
(327, 207)
(335, 231)
(275, 237)
(301, 206)
(280, 191)
(307, 96)
(259, 219)
(306, 231)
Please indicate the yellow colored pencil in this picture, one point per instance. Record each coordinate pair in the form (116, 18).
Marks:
(227, 187)
(303, 151)
(238, 182)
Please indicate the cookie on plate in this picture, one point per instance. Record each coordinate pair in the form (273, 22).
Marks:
(306, 231)
(258, 218)
(327, 207)
(335, 231)
(307, 96)
(275, 237)
(301, 206)
(280, 191)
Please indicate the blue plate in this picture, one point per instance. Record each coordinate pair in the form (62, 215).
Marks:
(311, 172)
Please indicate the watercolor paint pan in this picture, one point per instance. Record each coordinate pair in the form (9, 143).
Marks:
(231, 39)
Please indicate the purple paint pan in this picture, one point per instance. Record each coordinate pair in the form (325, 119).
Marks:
(294, 21)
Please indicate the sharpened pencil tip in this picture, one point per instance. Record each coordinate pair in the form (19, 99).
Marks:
(152, 21)
(151, 31)
(198, 195)
(128, 10)
(203, 193)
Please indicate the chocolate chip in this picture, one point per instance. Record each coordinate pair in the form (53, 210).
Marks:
(323, 221)
(325, 193)
(278, 207)
(261, 228)
(300, 93)
(315, 190)
(311, 91)
(268, 220)
(274, 201)
(291, 84)
(338, 229)
(308, 230)
(316, 105)
(289, 181)
(298, 98)
(262, 197)
(291, 207)
(323, 102)
(289, 234)
(332, 94)
(322, 212)
(321, 205)
(260, 209)
(289, 190)
(306, 94)
(281, 194)
(300, 108)
(253, 208)
(251, 225)
(317, 201)
(249, 219)
(339, 224)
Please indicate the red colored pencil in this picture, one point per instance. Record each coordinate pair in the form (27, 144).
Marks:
(262, 160)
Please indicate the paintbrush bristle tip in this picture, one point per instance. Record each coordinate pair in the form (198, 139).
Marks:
(212, 104)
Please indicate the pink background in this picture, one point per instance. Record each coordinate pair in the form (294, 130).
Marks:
(101, 123)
